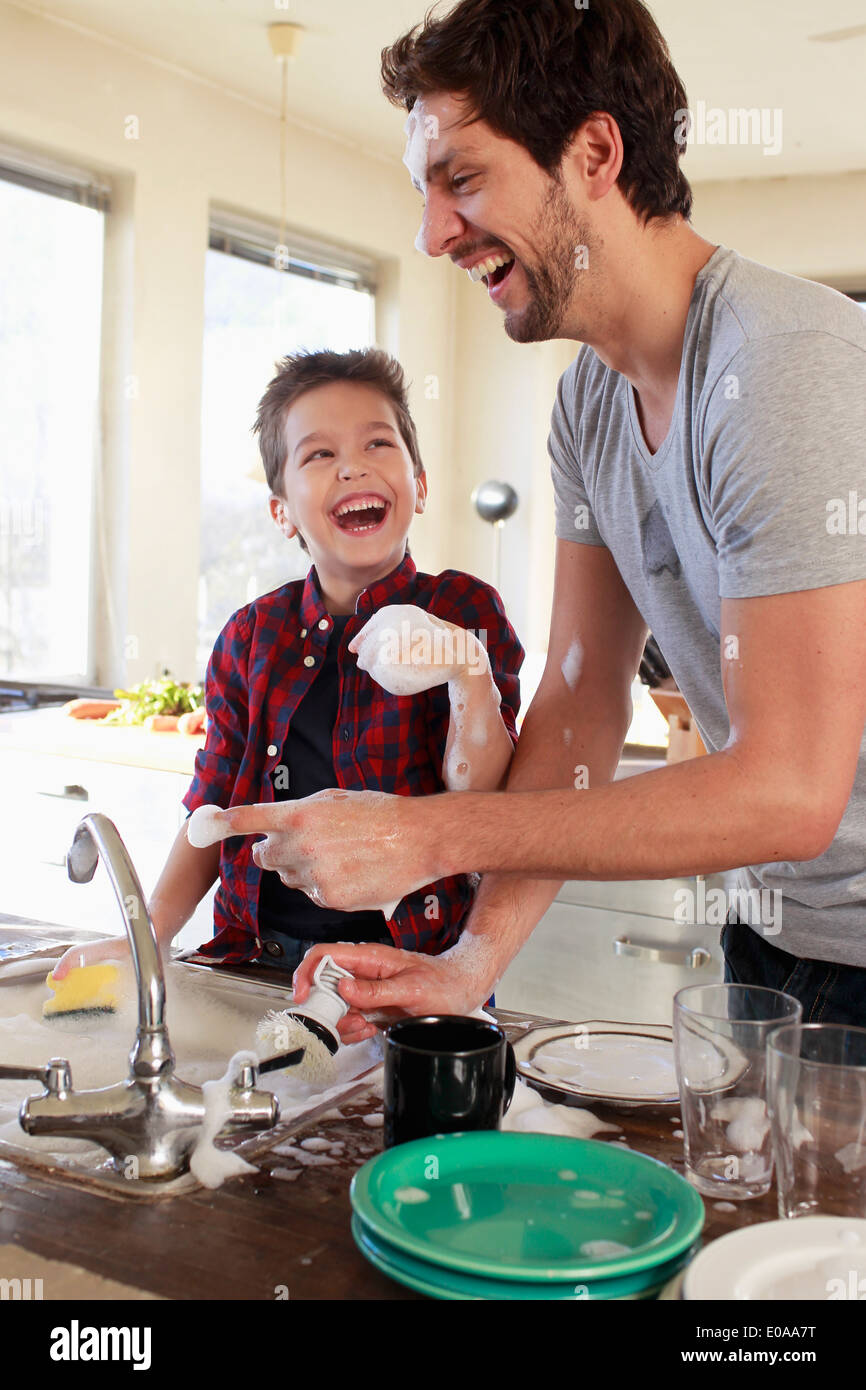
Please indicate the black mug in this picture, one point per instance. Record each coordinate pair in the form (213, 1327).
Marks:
(444, 1074)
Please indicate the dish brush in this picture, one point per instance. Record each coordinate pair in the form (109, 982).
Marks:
(313, 1024)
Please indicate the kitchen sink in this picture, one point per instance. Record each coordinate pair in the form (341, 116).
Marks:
(211, 1014)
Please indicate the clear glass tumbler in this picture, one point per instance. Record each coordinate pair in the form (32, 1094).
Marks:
(720, 1050)
(816, 1095)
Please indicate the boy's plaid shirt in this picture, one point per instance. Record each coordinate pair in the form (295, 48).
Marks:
(262, 665)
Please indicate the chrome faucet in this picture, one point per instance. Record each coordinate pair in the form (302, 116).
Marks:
(150, 1122)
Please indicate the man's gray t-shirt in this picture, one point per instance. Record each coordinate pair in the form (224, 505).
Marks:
(758, 488)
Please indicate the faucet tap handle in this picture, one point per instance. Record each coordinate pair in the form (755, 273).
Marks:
(56, 1076)
(246, 1078)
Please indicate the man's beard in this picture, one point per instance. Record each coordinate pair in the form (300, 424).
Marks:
(558, 235)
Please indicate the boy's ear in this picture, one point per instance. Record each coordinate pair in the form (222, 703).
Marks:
(279, 509)
(421, 492)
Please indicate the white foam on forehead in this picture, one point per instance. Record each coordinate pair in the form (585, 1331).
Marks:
(415, 154)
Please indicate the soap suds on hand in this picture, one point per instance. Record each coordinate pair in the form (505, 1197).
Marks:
(205, 827)
(407, 649)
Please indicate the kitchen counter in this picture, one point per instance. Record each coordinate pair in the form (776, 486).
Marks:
(266, 1235)
(48, 731)
(260, 1233)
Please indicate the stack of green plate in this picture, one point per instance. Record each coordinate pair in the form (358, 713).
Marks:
(524, 1216)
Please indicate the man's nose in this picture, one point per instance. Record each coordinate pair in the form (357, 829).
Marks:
(441, 225)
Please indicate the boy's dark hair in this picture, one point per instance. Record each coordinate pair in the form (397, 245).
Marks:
(302, 371)
(534, 70)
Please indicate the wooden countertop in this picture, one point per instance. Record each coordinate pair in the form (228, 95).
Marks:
(265, 1236)
(48, 731)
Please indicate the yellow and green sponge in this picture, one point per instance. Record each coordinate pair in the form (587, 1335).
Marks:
(87, 989)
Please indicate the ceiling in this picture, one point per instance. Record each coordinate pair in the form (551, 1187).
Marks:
(736, 53)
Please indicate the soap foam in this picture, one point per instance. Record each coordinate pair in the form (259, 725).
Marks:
(204, 828)
(407, 650)
(528, 1113)
(207, 1163)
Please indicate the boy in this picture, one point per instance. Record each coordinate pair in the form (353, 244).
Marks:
(314, 686)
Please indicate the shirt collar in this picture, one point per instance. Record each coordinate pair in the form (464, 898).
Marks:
(396, 587)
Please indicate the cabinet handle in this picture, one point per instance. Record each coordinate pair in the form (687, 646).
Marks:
(71, 792)
(693, 959)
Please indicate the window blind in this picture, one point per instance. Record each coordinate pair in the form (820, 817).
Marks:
(317, 260)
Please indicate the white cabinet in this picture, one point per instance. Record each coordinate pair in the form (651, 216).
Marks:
(43, 798)
(611, 951)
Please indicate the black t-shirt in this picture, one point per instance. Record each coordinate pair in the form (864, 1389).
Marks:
(309, 761)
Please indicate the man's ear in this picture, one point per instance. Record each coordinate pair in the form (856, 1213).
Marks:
(279, 509)
(420, 492)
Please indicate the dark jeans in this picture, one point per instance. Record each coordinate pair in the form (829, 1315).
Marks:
(292, 949)
(828, 992)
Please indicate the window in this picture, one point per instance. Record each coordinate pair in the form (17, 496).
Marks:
(51, 241)
(254, 315)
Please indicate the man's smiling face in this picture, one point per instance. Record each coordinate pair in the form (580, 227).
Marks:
(497, 214)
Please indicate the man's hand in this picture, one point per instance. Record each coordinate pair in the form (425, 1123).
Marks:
(391, 984)
(353, 851)
(406, 650)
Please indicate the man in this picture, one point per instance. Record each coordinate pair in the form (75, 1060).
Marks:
(701, 444)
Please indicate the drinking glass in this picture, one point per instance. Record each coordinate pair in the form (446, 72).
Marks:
(720, 1051)
(816, 1096)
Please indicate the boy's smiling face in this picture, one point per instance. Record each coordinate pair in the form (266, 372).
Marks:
(349, 485)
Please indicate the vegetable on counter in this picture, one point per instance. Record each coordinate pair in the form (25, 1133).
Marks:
(192, 723)
(164, 704)
(90, 709)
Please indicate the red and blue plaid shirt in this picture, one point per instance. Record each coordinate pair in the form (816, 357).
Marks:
(262, 665)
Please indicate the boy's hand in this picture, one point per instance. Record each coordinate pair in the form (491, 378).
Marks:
(406, 650)
(114, 948)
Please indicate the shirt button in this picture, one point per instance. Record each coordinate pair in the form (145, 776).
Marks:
(258, 942)
(346, 734)
(303, 632)
(324, 624)
(273, 948)
(309, 661)
(272, 750)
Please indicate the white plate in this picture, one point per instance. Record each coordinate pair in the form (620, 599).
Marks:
(819, 1258)
(623, 1064)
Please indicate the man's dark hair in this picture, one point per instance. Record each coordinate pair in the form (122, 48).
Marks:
(534, 70)
(304, 370)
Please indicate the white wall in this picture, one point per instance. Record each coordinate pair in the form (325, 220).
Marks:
(806, 226)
